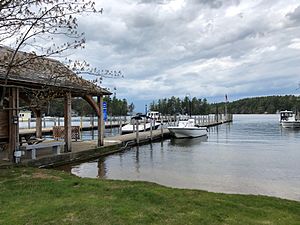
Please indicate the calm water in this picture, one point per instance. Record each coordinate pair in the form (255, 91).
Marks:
(252, 155)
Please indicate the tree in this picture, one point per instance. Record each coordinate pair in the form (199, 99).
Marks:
(131, 108)
(36, 23)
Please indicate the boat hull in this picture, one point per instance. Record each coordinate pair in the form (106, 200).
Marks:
(127, 129)
(188, 132)
(291, 124)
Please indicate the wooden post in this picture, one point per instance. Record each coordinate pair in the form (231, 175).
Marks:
(101, 126)
(44, 122)
(121, 123)
(38, 124)
(161, 129)
(144, 124)
(92, 122)
(13, 123)
(111, 119)
(137, 132)
(67, 122)
(133, 125)
(151, 128)
(28, 123)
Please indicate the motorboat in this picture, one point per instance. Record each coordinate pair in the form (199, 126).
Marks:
(187, 129)
(154, 115)
(288, 119)
(130, 128)
(145, 122)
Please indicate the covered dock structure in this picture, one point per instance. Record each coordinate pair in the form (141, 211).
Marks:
(36, 80)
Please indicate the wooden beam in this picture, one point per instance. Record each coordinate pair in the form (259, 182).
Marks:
(38, 129)
(92, 103)
(13, 122)
(97, 106)
(100, 122)
(67, 122)
(37, 112)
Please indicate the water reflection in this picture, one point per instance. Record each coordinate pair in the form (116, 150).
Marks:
(188, 142)
(101, 168)
(252, 155)
(137, 159)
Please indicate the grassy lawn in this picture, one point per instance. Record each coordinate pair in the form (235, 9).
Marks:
(35, 196)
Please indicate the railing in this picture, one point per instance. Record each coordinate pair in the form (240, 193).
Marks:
(48, 122)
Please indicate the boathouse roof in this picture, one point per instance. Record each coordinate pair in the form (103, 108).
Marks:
(30, 70)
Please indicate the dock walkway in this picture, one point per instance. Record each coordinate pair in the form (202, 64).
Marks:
(49, 130)
(88, 150)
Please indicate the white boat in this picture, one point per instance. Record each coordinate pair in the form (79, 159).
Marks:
(144, 123)
(187, 129)
(154, 115)
(288, 120)
(130, 128)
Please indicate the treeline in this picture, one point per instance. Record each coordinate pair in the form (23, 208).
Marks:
(115, 107)
(175, 105)
(257, 105)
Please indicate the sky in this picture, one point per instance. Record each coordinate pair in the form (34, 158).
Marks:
(200, 48)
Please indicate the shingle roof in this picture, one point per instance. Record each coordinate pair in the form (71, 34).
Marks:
(32, 70)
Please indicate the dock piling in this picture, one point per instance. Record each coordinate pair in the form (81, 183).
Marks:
(137, 132)
(151, 123)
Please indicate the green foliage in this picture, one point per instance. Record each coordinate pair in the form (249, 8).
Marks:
(175, 105)
(36, 196)
(115, 107)
(259, 105)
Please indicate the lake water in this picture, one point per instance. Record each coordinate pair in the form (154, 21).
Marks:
(252, 155)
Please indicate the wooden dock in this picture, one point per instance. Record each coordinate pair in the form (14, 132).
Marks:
(49, 130)
(88, 150)
(204, 120)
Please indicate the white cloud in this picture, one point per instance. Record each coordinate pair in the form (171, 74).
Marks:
(203, 47)
(295, 44)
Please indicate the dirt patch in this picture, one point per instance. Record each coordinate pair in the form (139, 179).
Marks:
(70, 217)
(41, 175)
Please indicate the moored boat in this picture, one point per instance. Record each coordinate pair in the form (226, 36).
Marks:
(288, 119)
(130, 128)
(187, 129)
(144, 124)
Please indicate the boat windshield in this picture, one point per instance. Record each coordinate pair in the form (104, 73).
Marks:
(286, 115)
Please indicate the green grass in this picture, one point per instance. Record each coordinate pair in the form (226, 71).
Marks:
(34, 196)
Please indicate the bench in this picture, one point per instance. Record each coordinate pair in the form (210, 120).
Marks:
(56, 146)
(59, 132)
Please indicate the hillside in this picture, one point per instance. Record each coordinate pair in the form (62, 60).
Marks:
(259, 105)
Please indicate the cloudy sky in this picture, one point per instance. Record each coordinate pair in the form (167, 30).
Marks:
(205, 48)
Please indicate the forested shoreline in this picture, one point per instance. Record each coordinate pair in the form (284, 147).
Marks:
(256, 105)
(175, 105)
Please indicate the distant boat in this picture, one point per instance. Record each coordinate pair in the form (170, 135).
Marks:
(187, 129)
(288, 120)
(144, 125)
(154, 115)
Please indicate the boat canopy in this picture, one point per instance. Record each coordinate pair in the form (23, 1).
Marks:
(284, 115)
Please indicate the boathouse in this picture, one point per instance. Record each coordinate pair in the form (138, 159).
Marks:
(35, 80)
